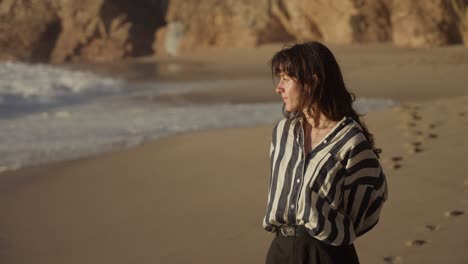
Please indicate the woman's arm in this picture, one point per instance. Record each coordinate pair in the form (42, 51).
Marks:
(365, 188)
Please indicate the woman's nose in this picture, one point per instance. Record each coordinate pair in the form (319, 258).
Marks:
(279, 89)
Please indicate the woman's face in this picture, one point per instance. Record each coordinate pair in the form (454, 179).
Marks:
(289, 90)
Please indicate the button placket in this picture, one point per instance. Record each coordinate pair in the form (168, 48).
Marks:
(297, 187)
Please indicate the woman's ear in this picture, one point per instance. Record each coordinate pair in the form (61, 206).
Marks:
(316, 80)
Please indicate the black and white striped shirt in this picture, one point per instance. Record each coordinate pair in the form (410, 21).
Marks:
(337, 190)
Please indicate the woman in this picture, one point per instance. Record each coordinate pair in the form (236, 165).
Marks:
(327, 186)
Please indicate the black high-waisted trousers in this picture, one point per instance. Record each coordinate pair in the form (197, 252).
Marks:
(307, 249)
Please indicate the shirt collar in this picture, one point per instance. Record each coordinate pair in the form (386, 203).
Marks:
(329, 137)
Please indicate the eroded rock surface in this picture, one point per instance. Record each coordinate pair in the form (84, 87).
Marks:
(105, 30)
(427, 23)
(68, 30)
(28, 29)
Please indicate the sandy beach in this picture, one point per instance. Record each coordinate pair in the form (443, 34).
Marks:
(200, 197)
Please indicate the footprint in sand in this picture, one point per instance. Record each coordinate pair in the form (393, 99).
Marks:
(414, 150)
(431, 126)
(432, 135)
(414, 147)
(454, 213)
(417, 132)
(411, 124)
(415, 116)
(432, 227)
(411, 116)
(414, 107)
(395, 162)
(393, 260)
(416, 243)
(407, 125)
(388, 163)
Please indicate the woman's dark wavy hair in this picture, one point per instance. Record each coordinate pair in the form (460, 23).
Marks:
(325, 94)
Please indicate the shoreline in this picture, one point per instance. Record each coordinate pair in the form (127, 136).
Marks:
(140, 139)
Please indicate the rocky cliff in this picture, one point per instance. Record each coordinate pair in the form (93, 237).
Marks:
(219, 23)
(68, 30)
(207, 23)
(28, 29)
(428, 23)
(106, 30)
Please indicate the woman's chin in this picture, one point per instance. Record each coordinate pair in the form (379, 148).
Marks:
(290, 109)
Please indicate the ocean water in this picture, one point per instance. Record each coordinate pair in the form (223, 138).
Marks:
(49, 113)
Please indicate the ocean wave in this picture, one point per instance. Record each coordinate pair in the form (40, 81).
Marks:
(27, 87)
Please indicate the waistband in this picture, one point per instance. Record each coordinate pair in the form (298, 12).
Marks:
(292, 231)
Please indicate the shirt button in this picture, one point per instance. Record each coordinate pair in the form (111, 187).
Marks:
(292, 206)
(325, 141)
(344, 123)
(298, 180)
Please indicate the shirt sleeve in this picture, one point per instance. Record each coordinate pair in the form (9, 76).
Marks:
(365, 188)
(266, 225)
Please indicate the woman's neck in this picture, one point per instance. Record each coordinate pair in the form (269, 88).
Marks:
(323, 122)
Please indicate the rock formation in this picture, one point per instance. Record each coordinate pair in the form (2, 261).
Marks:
(335, 21)
(218, 23)
(68, 30)
(105, 30)
(426, 23)
(247, 23)
(28, 29)
(460, 8)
